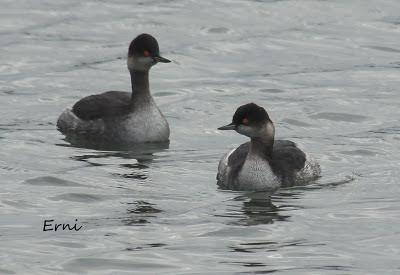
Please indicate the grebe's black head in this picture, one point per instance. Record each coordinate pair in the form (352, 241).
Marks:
(144, 53)
(251, 120)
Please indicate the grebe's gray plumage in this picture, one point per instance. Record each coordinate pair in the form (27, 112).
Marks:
(263, 163)
(120, 117)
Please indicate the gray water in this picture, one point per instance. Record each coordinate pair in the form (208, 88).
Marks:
(327, 72)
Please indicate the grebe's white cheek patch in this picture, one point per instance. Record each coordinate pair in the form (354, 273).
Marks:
(145, 60)
(245, 130)
(270, 130)
(140, 63)
(131, 63)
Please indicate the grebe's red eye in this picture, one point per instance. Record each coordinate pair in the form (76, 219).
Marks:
(146, 53)
(245, 121)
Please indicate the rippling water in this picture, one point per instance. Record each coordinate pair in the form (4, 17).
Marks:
(327, 72)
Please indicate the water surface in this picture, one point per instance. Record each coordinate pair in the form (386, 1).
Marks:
(327, 72)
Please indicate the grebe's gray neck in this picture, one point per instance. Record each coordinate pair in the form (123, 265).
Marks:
(261, 147)
(262, 144)
(140, 84)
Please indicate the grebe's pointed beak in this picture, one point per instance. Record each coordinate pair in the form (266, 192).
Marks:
(230, 126)
(161, 59)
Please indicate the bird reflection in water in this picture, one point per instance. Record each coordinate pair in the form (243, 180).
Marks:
(139, 212)
(258, 208)
(76, 142)
(144, 154)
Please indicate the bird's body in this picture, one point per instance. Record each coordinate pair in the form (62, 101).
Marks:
(121, 122)
(263, 164)
(288, 166)
(121, 118)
